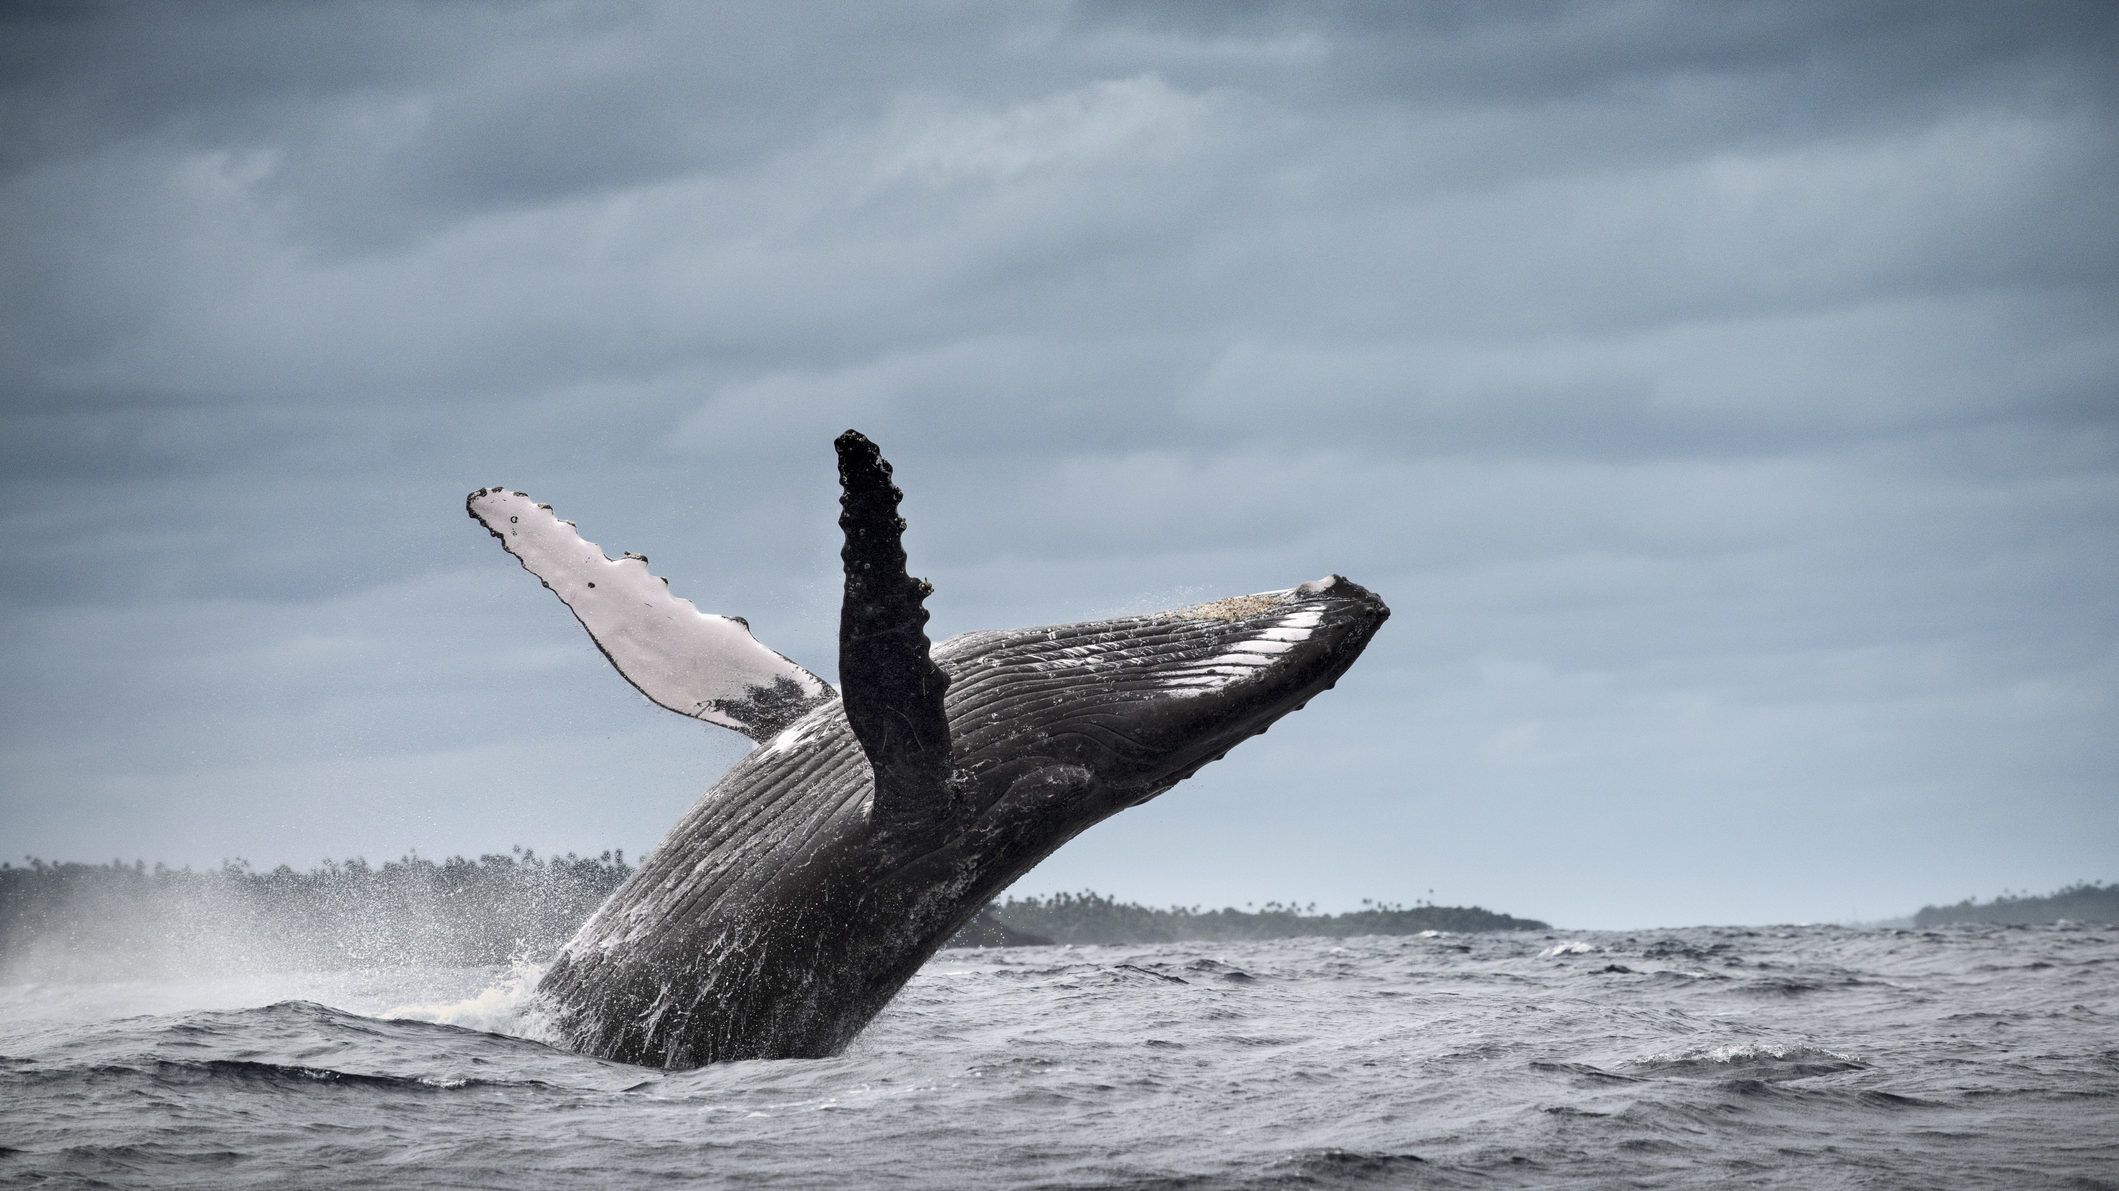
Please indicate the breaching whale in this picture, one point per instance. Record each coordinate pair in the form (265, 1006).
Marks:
(801, 891)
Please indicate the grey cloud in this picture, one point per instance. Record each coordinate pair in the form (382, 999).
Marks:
(383, 125)
(1722, 396)
(1534, 52)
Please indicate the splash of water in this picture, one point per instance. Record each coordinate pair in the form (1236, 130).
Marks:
(507, 1006)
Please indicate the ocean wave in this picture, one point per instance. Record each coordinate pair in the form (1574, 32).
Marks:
(1346, 1063)
(1757, 1060)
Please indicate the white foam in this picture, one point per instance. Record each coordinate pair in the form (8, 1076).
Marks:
(507, 1007)
(1752, 1052)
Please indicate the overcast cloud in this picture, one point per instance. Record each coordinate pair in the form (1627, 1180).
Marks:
(1725, 397)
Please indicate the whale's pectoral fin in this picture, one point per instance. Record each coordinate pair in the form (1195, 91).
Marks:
(694, 663)
(891, 687)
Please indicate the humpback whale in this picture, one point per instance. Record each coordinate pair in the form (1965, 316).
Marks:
(869, 824)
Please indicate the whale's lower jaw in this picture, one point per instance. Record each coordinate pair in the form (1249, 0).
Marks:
(779, 917)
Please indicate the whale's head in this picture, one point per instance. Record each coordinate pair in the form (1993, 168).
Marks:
(1141, 702)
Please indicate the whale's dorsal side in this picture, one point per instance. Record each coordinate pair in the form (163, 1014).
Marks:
(694, 663)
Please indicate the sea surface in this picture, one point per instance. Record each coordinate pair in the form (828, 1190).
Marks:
(1796, 1056)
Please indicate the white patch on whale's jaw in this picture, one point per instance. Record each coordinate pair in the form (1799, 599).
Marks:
(1246, 658)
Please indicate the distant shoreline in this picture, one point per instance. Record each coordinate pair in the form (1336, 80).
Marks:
(1087, 917)
(72, 920)
(86, 921)
(2084, 901)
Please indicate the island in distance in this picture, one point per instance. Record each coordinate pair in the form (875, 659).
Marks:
(2083, 901)
(93, 921)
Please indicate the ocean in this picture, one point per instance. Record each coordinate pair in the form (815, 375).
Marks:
(1775, 1057)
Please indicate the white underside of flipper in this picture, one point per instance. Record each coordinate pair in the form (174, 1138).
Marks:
(694, 663)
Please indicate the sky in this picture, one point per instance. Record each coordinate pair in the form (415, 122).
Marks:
(1724, 397)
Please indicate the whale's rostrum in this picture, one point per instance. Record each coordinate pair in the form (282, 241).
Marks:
(801, 891)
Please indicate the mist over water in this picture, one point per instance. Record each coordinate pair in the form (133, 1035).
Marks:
(117, 921)
(1802, 1056)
